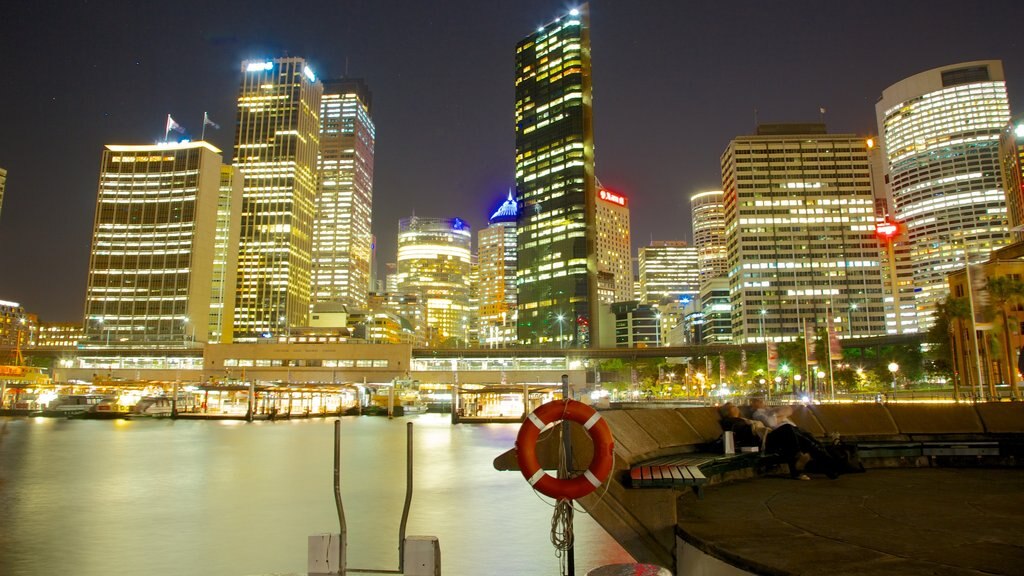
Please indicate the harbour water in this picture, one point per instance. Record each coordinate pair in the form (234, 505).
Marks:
(227, 498)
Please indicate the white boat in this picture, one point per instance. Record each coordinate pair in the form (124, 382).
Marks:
(72, 404)
(153, 407)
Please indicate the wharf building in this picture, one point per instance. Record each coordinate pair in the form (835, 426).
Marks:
(276, 147)
(557, 257)
(342, 241)
(435, 264)
(152, 281)
(708, 217)
(614, 260)
(940, 130)
(800, 235)
(496, 281)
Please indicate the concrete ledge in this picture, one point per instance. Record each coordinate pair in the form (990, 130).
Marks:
(804, 417)
(1002, 417)
(935, 419)
(704, 421)
(860, 421)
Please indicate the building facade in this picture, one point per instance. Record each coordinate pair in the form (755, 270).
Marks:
(636, 325)
(342, 241)
(940, 131)
(151, 266)
(1011, 160)
(669, 271)
(3, 186)
(276, 147)
(800, 234)
(557, 265)
(434, 263)
(708, 216)
(614, 252)
(496, 260)
(225, 258)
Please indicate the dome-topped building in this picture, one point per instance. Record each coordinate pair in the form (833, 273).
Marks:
(507, 212)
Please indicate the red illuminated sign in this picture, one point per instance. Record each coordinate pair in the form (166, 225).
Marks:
(612, 197)
(887, 230)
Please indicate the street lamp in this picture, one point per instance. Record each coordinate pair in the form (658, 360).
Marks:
(560, 318)
(893, 367)
(821, 376)
(796, 378)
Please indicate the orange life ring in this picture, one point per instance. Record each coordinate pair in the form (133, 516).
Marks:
(526, 449)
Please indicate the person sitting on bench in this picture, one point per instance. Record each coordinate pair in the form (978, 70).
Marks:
(778, 420)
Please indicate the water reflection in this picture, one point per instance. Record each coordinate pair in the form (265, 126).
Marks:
(224, 498)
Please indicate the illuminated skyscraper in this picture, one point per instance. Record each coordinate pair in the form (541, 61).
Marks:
(434, 263)
(342, 242)
(225, 258)
(940, 130)
(151, 269)
(276, 148)
(496, 257)
(1011, 155)
(614, 252)
(800, 223)
(708, 213)
(3, 185)
(557, 268)
(668, 272)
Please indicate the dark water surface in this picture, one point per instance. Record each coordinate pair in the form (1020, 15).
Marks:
(230, 498)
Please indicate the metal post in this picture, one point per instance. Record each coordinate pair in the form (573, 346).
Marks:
(337, 494)
(408, 497)
(570, 554)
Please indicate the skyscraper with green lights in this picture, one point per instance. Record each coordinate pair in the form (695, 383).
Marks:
(557, 264)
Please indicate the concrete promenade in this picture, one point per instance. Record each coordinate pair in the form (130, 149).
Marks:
(934, 521)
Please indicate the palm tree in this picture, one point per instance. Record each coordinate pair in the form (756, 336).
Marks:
(951, 314)
(1004, 291)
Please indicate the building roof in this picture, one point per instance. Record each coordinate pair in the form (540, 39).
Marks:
(507, 212)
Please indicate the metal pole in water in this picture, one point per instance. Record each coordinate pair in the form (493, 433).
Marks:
(570, 554)
(408, 497)
(337, 494)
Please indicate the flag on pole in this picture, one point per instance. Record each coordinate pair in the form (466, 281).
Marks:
(809, 341)
(835, 350)
(721, 367)
(208, 122)
(172, 125)
(773, 355)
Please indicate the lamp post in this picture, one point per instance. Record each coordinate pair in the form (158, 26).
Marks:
(796, 379)
(821, 376)
(893, 367)
(560, 318)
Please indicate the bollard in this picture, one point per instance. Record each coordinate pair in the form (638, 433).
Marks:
(422, 556)
(324, 554)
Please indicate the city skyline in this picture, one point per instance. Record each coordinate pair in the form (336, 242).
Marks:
(447, 152)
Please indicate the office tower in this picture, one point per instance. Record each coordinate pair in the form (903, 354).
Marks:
(800, 221)
(557, 268)
(225, 258)
(342, 241)
(16, 325)
(940, 130)
(669, 271)
(3, 186)
(636, 325)
(276, 149)
(1011, 160)
(496, 258)
(614, 252)
(708, 216)
(434, 263)
(898, 272)
(153, 246)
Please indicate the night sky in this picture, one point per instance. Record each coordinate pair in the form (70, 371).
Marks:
(674, 81)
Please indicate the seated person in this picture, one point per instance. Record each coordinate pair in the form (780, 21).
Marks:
(783, 441)
(786, 431)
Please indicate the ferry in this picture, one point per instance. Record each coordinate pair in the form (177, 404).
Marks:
(152, 407)
(71, 405)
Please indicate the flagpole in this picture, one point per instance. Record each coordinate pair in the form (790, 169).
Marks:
(167, 128)
(202, 137)
(974, 320)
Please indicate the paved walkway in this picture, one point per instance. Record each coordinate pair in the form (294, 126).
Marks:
(934, 521)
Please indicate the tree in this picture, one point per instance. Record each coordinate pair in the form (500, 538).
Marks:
(950, 315)
(1003, 291)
